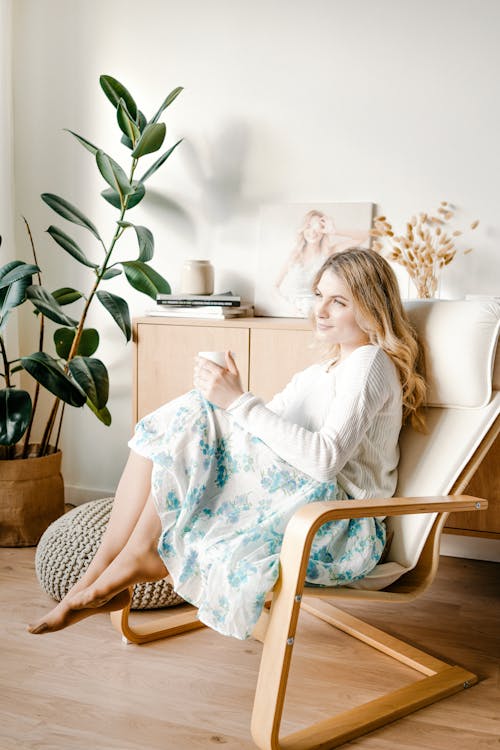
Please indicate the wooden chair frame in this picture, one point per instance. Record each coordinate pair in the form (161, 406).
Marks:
(276, 628)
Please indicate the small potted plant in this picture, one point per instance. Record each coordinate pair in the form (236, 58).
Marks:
(31, 487)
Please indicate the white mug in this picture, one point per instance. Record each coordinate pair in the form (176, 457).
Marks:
(218, 357)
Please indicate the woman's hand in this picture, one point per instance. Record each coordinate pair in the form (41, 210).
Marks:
(219, 385)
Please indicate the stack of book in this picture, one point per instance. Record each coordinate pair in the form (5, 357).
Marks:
(210, 306)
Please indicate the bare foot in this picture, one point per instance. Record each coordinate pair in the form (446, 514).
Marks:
(68, 614)
(108, 593)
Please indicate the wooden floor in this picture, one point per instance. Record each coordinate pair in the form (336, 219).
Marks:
(84, 689)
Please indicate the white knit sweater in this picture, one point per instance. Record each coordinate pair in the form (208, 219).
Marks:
(335, 422)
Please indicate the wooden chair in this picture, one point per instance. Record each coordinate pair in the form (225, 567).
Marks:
(460, 338)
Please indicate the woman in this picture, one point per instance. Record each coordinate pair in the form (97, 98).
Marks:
(316, 241)
(214, 476)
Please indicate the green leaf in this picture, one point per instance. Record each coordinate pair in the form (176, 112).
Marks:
(87, 144)
(141, 120)
(16, 273)
(115, 91)
(168, 101)
(126, 123)
(145, 279)
(47, 371)
(114, 175)
(92, 377)
(66, 295)
(102, 414)
(118, 309)
(151, 139)
(132, 200)
(144, 238)
(15, 415)
(69, 212)
(64, 337)
(45, 303)
(152, 169)
(15, 293)
(127, 142)
(111, 273)
(68, 244)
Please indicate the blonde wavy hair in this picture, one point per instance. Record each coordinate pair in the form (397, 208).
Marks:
(380, 313)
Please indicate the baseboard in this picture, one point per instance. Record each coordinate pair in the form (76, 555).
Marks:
(470, 547)
(78, 495)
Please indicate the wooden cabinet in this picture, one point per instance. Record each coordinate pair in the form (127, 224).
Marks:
(268, 352)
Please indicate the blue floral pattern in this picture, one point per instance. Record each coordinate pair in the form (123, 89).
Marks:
(224, 499)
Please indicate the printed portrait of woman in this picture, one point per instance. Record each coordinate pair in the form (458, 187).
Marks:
(317, 239)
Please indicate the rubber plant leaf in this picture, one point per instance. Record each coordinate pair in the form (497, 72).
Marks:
(87, 144)
(50, 375)
(133, 199)
(64, 337)
(114, 175)
(168, 101)
(16, 272)
(115, 91)
(68, 244)
(152, 169)
(110, 273)
(14, 293)
(118, 309)
(15, 415)
(145, 240)
(66, 295)
(102, 414)
(126, 123)
(45, 303)
(151, 139)
(69, 212)
(92, 377)
(145, 279)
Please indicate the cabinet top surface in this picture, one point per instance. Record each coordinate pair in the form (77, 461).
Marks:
(294, 324)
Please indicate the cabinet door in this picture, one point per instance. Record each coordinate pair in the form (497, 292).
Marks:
(484, 483)
(165, 359)
(276, 355)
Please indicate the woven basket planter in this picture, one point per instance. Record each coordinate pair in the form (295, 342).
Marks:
(31, 497)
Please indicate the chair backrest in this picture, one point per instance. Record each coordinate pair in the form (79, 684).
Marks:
(463, 370)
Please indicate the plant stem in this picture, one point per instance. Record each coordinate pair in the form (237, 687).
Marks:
(81, 324)
(48, 429)
(56, 444)
(5, 363)
(40, 348)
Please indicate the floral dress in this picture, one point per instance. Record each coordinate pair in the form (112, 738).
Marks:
(224, 499)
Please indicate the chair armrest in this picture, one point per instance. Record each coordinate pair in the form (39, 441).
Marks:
(316, 514)
(305, 522)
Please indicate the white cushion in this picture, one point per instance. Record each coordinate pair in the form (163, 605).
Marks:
(460, 342)
(460, 339)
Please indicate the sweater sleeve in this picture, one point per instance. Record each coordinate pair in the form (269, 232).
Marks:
(361, 392)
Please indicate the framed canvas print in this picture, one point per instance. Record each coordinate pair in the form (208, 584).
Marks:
(294, 241)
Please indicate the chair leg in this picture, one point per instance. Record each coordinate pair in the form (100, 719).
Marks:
(440, 681)
(177, 620)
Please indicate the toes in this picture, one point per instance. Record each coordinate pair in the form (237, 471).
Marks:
(38, 629)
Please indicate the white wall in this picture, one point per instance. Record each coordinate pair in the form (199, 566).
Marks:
(7, 248)
(393, 101)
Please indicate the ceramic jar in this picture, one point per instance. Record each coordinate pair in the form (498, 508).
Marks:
(197, 277)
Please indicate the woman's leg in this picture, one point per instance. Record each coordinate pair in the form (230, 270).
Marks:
(137, 562)
(130, 498)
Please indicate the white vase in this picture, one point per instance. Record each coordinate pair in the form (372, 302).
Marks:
(197, 277)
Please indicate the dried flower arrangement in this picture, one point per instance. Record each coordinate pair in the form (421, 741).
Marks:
(427, 246)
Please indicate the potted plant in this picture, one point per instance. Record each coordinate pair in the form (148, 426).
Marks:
(31, 487)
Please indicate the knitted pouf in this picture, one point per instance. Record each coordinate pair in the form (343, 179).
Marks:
(68, 545)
